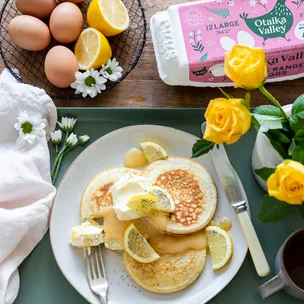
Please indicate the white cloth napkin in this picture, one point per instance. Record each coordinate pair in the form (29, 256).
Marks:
(26, 192)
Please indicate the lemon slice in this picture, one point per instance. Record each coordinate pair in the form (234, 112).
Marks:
(92, 49)
(220, 246)
(108, 16)
(137, 246)
(153, 151)
(142, 204)
(165, 201)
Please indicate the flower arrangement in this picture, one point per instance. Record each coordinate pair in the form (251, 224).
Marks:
(70, 142)
(92, 82)
(228, 118)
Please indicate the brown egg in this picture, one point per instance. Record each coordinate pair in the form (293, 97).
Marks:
(37, 8)
(73, 1)
(66, 22)
(60, 66)
(29, 33)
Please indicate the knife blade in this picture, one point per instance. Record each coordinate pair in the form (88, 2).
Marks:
(235, 194)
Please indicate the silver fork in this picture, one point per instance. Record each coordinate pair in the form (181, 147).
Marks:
(97, 273)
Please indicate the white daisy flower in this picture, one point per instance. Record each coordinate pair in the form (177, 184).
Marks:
(67, 124)
(231, 3)
(83, 139)
(191, 34)
(89, 83)
(72, 140)
(112, 70)
(56, 137)
(191, 41)
(30, 128)
(199, 38)
(263, 2)
(198, 32)
(252, 2)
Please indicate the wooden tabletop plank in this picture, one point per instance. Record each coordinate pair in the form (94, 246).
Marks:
(143, 87)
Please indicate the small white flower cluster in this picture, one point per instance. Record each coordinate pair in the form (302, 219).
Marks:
(30, 128)
(230, 2)
(92, 82)
(195, 36)
(66, 125)
(259, 2)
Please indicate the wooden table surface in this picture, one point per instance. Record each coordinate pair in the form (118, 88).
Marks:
(143, 87)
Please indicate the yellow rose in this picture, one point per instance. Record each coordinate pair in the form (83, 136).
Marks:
(287, 182)
(246, 66)
(227, 120)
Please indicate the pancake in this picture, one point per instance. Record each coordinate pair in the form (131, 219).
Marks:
(192, 189)
(97, 196)
(170, 273)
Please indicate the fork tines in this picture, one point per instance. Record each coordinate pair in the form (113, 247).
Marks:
(96, 272)
(96, 268)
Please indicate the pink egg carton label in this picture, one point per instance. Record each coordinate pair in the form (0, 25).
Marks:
(212, 28)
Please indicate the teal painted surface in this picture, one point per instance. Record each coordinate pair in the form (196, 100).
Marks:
(41, 279)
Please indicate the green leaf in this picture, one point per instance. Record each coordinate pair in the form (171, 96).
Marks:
(298, 155)
(272, 210)
(279, 136)
(287, 128)
(247, 100)
(269, 122)
(264, 173)
(301, 209)
(201, 147)
(204, 57)
(254, 123)
(292, 148)
(299, 136)
(297, 121)
(298, 105)
(280, 147)
(269, 111)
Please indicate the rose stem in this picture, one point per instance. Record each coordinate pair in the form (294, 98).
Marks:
(272, 99)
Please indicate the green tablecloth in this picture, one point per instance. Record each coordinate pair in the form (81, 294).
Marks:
(43, 283)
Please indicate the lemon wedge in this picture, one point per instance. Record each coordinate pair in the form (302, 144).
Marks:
(137, 246)
(108, 16)
(92, 49)
(165, 201)
(142, 204)
(220, 246)
(153, 151)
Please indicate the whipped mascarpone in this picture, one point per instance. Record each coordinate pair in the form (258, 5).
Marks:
(123, 190)
(87, 234)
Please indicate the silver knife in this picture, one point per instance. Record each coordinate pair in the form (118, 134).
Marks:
(235, 196)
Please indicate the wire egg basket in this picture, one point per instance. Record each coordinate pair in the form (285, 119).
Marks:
(28, 67)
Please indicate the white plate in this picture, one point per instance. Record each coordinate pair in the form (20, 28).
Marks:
(108, 152)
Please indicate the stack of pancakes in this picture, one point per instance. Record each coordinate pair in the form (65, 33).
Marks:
(195, 197)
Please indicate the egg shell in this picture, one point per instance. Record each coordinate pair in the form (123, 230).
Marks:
(66, 22)
(60, 66)
(36, 8)
(29, 33)
(73, 1)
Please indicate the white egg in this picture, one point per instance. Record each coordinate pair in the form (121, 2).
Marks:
(245, 38)
(217, 70)
(227, 43)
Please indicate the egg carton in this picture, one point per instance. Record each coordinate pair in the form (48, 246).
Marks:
(190, 39)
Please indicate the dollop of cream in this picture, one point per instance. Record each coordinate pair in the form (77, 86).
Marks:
(123, 190)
